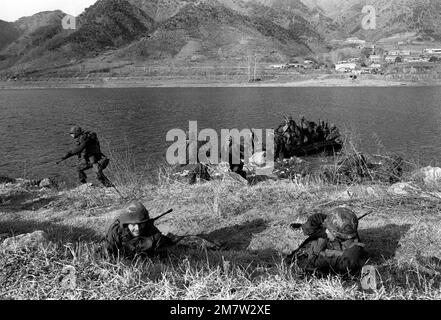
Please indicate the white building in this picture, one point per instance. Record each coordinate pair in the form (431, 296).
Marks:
(432, 51)
(278, 66)
(399, 53)
(355, 40)
(343, 66)
(376, 58)
(391, 59)
(415, 59)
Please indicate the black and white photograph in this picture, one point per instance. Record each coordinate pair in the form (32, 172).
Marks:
(220, 157)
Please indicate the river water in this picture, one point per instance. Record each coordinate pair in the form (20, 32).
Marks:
(132, 123)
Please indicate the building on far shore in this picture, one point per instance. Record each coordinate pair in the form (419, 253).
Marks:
(376, 58)
(344, 66)
(399, 53)
(415, 59)
(278, 66)
(393, 59)
(355, 40)
(432, 51)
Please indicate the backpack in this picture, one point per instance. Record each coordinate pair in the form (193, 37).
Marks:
(93, 137)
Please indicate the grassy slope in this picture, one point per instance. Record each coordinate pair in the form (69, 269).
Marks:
(250, 222)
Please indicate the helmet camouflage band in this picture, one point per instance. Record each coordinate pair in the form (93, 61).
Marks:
(135, 213)
(75, 130)
(342, 222)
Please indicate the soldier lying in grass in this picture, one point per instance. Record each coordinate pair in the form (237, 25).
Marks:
(133, 234)
(333, 244)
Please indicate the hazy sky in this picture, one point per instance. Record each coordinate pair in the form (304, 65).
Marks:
(11, 10)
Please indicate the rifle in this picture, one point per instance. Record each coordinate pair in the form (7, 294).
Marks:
(60, 161)
(161, 215)
(316, 235)
(366, 214)
(199, 236)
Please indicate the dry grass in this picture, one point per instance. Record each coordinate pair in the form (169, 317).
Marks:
(250, 223)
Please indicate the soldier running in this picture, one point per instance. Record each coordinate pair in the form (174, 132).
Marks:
(89, 155)
(333, 243)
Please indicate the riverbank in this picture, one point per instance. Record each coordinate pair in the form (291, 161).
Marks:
(131, 82)
(250, 223)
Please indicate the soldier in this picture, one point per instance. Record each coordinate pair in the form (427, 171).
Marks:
(133, 234)
(305, 137)
(231, 149)
(286, 126)
(89, 155)
(320, 131)
(198, 169)
(333, 243)
(334, 134)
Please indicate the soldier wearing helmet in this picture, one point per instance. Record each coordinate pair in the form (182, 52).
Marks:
(234, 152)
(334, 134)
(133, 234)
(333, 243)
(89, 155)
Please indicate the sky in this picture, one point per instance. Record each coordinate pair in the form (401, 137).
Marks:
(11, 10)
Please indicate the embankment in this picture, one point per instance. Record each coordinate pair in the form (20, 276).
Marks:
(250, 223)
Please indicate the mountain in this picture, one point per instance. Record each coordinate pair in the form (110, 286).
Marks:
(43, 41)
(393, 16)
(179, 30)
(108, 23)
(214, 32)
(161, 10)
(8, 33)
(30, 29)
(308, 20)
(331, 8)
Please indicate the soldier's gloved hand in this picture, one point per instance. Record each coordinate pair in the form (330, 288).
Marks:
(353, 256)
(295, 226)
(163, 241)
(144, 244)
(319, 245)
(174, 238)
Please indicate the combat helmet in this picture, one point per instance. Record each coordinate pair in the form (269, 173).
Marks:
(76, 131)
(135, 213)
(342, 222)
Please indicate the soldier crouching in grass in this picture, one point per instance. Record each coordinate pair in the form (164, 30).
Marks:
(333, 244)
(133, 234)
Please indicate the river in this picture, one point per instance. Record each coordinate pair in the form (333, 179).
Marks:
(132, 123)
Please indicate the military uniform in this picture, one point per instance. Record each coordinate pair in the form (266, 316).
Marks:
(150, 241)
(197, 170)
(236, 165)
(89, 155)
(334, 134)
(343, 254)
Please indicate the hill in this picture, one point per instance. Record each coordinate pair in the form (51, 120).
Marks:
(393, 16)
(108, 23)
(43, 42)
(216, 33)
(8, 33)
(210, 30)
(242, 233)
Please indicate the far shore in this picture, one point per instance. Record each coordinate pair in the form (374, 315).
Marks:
(128, 82)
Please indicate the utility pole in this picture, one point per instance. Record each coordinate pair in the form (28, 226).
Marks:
(249, 67)
(255, 66)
